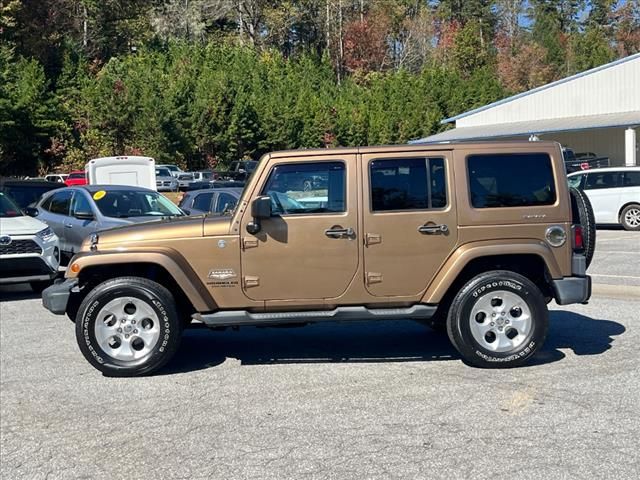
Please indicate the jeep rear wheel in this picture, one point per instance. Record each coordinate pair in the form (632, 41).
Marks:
(128, 326)
(498, 319)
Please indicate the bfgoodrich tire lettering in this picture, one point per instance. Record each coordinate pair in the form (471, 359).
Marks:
(515, 293)
(157, 303)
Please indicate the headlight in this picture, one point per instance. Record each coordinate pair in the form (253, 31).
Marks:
(46, 234)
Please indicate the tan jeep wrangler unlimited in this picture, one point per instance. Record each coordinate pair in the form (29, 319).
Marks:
(476, 238)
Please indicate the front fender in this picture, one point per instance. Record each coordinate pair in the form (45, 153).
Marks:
(470, 251)
(167, 258)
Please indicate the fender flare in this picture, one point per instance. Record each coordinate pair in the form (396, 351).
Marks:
(167, 258)
(464, 254)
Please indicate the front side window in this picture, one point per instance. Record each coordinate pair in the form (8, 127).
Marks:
(60, 202)
(408, 184)
(304, 188)
(511, 180)
(575, 181)
(225, 203)
(80, 204)
(598, 180)
(132, 203)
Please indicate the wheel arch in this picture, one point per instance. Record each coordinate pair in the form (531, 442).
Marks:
(534, 260)
(628, 204)
(175, 274)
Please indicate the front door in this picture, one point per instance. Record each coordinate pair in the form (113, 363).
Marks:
(410, 223)
(308, 249)
(77, 229)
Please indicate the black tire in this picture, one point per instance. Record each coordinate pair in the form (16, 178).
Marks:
(582, 213)
(482, 287)
(39, 286)
(625, 220)
(154, 296)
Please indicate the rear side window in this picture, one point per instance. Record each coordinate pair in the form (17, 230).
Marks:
(408, 184)
(225, 202)
(631, 179)
(60, 202)
(511, 180)
(598, 180)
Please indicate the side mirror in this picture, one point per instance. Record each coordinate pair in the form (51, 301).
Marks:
(260, 209)
(31, 211)
(84, 215)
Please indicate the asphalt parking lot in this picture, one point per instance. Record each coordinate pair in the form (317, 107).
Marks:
(367, 400)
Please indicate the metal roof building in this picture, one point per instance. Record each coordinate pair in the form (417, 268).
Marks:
(594, 111)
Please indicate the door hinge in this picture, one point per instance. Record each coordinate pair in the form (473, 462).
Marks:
(249, 242)
(373, 277)
(372, 239)
(249, 282)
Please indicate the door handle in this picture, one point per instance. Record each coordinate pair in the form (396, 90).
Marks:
(68, 225)
(433, 229)
(339, 232)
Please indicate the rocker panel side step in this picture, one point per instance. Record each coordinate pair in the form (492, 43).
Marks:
(242, 317)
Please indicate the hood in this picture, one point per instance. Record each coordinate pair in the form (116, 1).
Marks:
(23, 225)
(158, 230)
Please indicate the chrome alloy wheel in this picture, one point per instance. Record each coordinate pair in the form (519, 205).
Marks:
(632, 217)
(500, 321)
(127, 329)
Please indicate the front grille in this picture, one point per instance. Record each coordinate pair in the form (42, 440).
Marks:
(20, 246)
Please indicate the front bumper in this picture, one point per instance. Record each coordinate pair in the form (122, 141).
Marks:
(56, 297)
(570, 290)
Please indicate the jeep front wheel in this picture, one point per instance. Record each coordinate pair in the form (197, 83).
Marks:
(128, 326)
(498, 319)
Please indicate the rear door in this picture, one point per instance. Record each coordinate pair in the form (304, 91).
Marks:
(410, 225)
(55, 212)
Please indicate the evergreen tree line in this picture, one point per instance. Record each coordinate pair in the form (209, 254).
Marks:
(201, 83)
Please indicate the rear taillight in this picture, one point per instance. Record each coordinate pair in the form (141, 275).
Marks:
(578, 241)
(585, 166)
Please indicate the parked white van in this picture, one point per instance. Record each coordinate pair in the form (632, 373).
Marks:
(123, 170)
(614, 194)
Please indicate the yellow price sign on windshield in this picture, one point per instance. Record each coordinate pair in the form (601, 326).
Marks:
(99, 194)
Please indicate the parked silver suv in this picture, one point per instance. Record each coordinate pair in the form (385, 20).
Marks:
(29, 250)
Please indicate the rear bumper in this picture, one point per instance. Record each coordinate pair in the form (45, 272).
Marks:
(570, 290)
(56, 297)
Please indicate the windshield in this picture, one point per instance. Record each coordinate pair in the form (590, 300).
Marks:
(8, 209)
(173, 168)
(163, 172)
(127, 203)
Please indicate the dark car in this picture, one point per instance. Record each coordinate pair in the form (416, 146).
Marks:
(216, 200)
(26, 193)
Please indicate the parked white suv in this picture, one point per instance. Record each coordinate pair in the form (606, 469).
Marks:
(614, 194)
(29, 249)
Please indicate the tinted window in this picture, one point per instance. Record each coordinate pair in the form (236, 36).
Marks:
(631, 179)
(597, 180)
(225, 202)
(511, 180)
(80, 203)
(60, 202)
(76, 175)
(27, 195)
(203, 202)
(162, 172)
(408, 184)
(307, 188)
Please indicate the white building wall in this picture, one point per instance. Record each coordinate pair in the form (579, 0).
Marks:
(611, 90)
